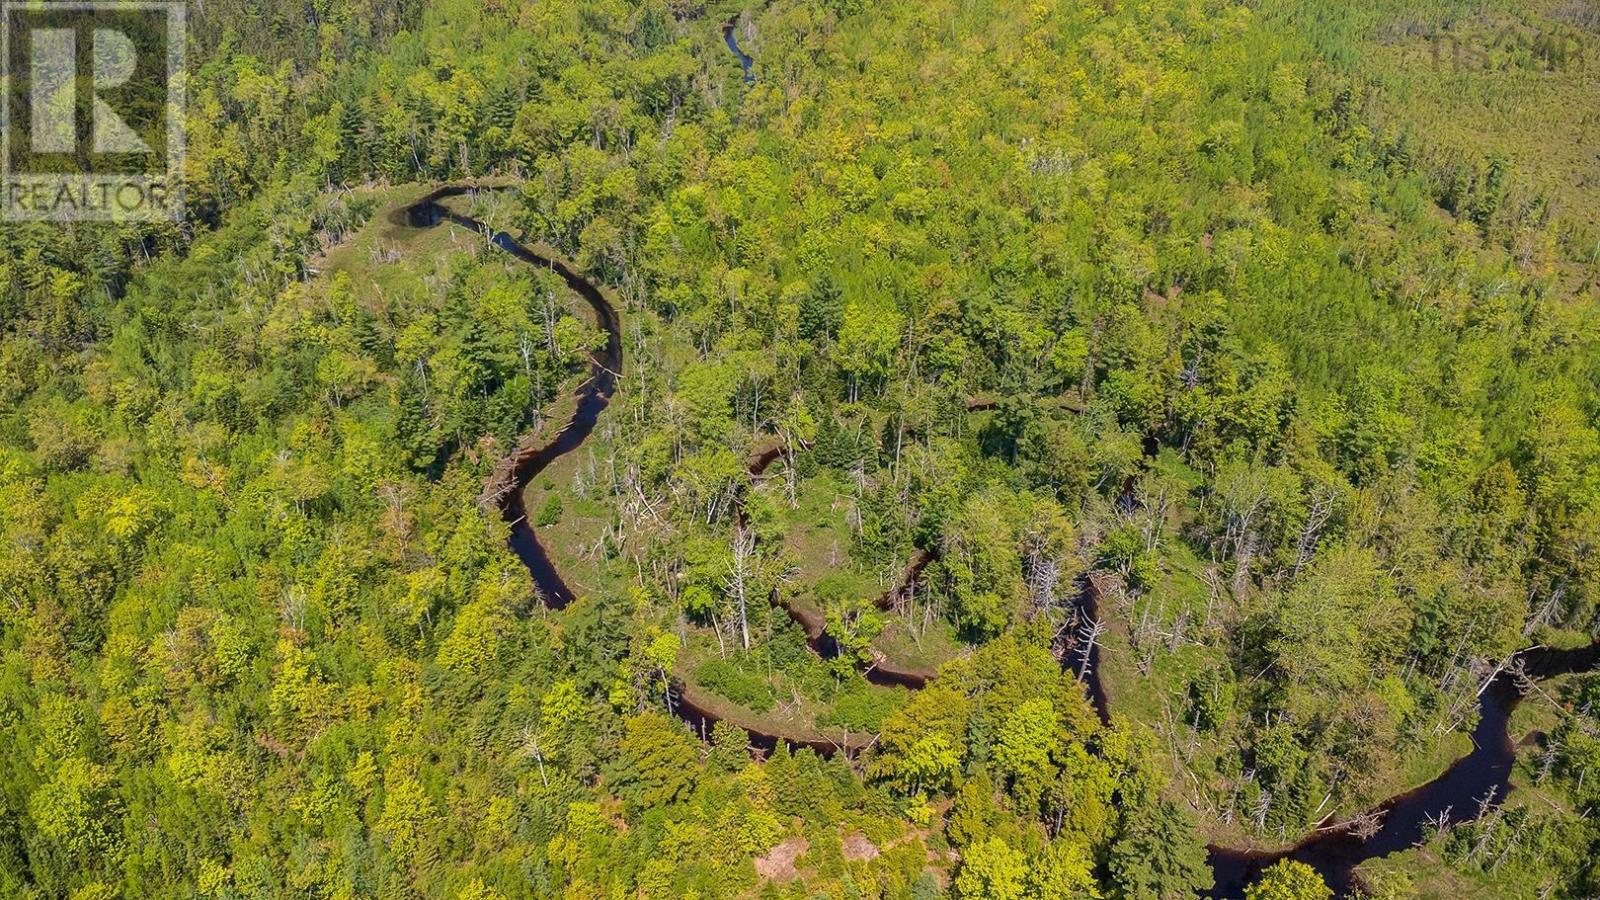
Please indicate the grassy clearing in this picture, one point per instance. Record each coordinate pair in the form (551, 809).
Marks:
(817, 540)
(575, 517)
(816, 534)
(805, 705)
(383, 256)
(1434, 878)
(913, 647)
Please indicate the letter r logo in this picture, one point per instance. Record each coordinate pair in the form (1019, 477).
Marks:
(55, 99)
(92, 110)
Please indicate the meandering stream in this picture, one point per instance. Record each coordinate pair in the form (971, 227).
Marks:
(1485, 772)
(593, 396)
(1482, 775)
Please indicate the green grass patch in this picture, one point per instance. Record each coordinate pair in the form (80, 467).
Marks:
(727, 679)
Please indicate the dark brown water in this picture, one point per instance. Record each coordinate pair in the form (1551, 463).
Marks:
(1083, 661)
(593, 396)
(1484, 774)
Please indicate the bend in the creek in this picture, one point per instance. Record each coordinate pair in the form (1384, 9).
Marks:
(516, 472)
(882, 671)
(1481, 779)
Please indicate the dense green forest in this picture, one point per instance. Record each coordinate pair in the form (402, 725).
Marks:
(1053, 440)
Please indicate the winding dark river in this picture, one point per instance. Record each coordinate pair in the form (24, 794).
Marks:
(593, 396)
(1483, 773)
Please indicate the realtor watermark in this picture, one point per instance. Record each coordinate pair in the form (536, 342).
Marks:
(91, 119)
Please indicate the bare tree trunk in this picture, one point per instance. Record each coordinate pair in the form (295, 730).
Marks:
(1244, 556)
(1089, 636)
(740, 573)
(1044, 576)
(1546, 613)
(791, 476)
(1321, 511)
(899, 443)
(716, 628)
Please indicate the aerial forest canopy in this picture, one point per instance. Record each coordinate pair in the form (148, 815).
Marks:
(997, 450)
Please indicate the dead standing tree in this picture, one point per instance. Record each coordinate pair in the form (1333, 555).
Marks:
(741, 575)
(1090, 623)
(1088, 639)
(1322, 506)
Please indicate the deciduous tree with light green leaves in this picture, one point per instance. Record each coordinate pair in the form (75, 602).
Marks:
(1289, 880)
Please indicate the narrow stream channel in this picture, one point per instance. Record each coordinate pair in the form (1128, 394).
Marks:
(593, 396)
(733, 44)
(1483, 773)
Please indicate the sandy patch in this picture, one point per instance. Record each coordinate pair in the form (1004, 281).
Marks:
(778, 864)
(858, 848)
